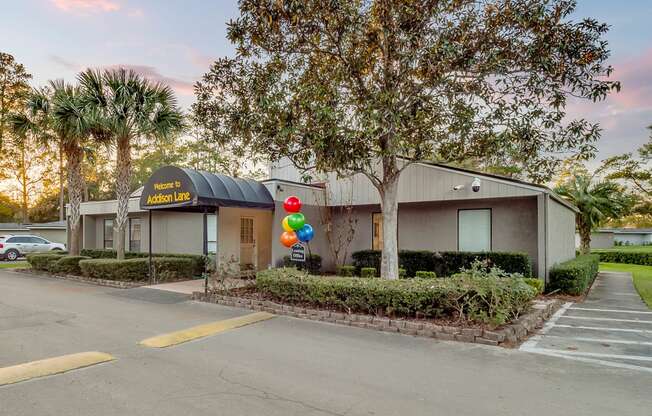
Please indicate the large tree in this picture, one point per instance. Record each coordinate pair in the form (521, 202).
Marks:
(14, 89)
(637, 171)
(124, 107)
(369, 86)
(597, 201)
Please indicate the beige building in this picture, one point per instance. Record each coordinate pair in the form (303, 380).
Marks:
(54, 231)
(440, 208)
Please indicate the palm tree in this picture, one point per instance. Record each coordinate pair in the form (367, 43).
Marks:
(596, 201)
(56, 114)
(124, 107)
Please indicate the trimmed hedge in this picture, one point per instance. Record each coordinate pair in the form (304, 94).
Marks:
(574, 276)
(486, 299)
(628, 257)
(67, 265)
(198, 261)
(42, 261)
(166, 269)
(312, 263)
(346, 271)
(368, 272)
(446, 263)
(425, 274)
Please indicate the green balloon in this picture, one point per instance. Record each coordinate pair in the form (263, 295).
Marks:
(296, 221)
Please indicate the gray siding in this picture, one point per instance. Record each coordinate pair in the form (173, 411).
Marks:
(560, 234)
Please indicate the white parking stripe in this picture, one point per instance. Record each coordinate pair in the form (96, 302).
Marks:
(532, 342)
(599, 328)
(591, 318)
(601, 340)
(554, 353)
(597, 355)
(575, 308)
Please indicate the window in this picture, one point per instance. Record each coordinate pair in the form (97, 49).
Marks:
(377, 231)
(246, 230)
(108, 233)
(211, 233)
(134, 234)
(474, 230)
(19, 240)
(38, 240)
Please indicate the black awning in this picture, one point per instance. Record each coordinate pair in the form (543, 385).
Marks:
(174, 187)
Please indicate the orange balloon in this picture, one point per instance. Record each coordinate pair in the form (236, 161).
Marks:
(288, 239)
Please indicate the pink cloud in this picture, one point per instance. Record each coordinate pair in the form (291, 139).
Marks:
(636, 79)
(86, 6)
(179, 86)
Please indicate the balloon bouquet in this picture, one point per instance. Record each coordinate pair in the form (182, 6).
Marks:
(294, 224)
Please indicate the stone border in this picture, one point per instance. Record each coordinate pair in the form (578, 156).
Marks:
(507, 336)
(100, 282)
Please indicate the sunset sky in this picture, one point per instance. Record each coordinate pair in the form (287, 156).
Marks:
(175, 42)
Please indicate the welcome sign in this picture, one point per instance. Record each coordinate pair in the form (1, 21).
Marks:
(168, 187)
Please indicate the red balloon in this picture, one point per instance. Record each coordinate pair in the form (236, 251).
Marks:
(288, 239)
(292, 204)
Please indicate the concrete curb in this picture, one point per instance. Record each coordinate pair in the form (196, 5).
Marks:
(71, 277)
(507, 336)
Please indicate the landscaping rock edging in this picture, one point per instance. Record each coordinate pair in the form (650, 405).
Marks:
(81, 279)
(507, 336)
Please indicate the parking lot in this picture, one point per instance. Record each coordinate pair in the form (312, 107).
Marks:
(612, 327)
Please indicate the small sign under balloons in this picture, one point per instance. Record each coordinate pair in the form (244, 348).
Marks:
(295, 229)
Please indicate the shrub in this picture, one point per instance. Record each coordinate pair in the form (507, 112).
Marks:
(346, 271)
(137, 269)
(312, 263)
(629, 257)
(402, 273)
(198, 261)
(538, 284)
(425, 274)
(368, 272)
(42, 261)
(487, 299)
(67, 265)
(446, 263)
(574, 276)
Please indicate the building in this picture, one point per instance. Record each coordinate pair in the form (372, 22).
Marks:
(610, 237)
(54, 231)
(441, 208)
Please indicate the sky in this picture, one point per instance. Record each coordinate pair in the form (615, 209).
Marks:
(176, 41)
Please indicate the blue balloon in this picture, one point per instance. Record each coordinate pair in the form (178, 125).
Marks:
(305, 233)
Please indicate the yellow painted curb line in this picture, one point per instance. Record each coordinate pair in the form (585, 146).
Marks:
(204, 330)
(51, 366)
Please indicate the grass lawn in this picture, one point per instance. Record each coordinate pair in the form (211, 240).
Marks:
(637, 249)
(642, 277)
(13, 264)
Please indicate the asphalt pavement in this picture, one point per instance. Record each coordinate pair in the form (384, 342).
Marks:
(279, 366)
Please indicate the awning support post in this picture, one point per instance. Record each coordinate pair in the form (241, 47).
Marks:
(149, 246)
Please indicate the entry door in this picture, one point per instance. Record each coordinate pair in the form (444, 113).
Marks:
(248, 243)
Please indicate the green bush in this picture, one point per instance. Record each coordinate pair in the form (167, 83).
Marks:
(538, 284)
(425, 274)
(346, 271)
(67, 265)
(487, 299)
(368, 272)
(137, 270)
(198, 261)
(312, 263)
(446, 263)
(628, 257)
(574, 276)
(42, 261)
(402, 273)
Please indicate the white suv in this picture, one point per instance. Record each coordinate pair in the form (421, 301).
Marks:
(14, 246)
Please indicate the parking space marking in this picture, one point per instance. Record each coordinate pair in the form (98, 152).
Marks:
(598, 355)
(614, 364)
(51, 366)
(575, 308)
(592, 318)
(601, 328)
(601, 340)
(204, 330)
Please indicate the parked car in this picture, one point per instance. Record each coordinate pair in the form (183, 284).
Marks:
(14, 246)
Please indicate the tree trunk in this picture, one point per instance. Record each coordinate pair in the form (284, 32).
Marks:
(585, 237)
(23, 182)
(389, 206)
(61, 180)
(74, 196)
(123, 173)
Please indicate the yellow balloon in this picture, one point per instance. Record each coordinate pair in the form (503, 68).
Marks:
(286, 226)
